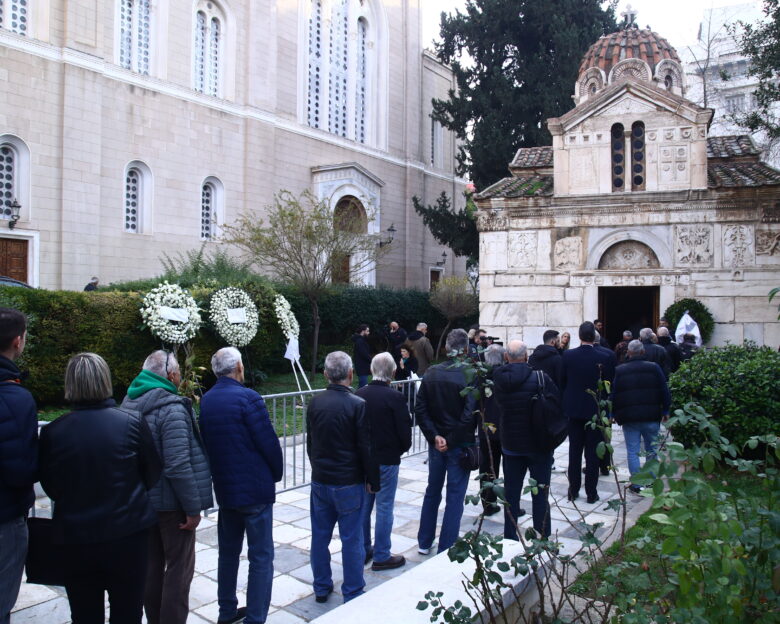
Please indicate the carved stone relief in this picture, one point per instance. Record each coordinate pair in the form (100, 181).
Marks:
(568, 253)
(493, 221)
(492, 251)
(629, 256)
(694, 245)
(674, 163)
(522, 249)
(771, 213)
(629, 68)
(767, 242)
(737, 246)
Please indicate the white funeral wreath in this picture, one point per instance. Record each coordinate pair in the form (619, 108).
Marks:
(286, 318)
(234, 316)
(171, 313)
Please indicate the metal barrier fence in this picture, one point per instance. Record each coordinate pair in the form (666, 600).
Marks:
(288, 417)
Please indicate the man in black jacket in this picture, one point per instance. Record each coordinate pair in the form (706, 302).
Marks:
(362, 354)
(547, 358)
(342, 469)
(672, 349)
(397, 337)
(515, 385)
(18, 459)
(489, 438)
(391, 436)
(655, 353)
(448, 422)
(640, 401)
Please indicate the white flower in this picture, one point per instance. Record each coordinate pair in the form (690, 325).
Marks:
(170, 296)
(235, 334)
(287, 320)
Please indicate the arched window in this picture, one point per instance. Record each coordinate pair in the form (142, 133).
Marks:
(15, 15)
(209, 37)
(343, 69)
(638, 176)
(211, 204)
(135, 35)
(618, 158)
(14, 175)
(137, 198)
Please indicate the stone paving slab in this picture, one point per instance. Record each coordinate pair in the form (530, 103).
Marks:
(292, 595)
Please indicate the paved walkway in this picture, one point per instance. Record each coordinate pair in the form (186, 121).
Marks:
(292, 599)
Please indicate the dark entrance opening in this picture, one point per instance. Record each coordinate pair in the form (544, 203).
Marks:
(628, 307)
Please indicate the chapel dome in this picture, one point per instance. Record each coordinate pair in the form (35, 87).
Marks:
(630, 53)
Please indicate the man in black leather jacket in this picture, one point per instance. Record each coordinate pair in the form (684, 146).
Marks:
(655, 353)
(339, 448)
(448, 422)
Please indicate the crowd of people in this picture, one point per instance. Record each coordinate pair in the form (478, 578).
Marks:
(129, 482)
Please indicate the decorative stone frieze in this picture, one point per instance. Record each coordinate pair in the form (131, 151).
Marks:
(568, 253)
(737, 246)
(522, 249)
(767, 242)
(693, 245)
(629, 256)
(492, 221)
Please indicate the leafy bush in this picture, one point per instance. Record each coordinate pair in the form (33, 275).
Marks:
(698, 311)
(737, 385)
(62, 323)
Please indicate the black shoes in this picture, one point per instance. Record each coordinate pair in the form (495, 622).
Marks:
(323, 597)
(636, 489)
(395, 561)
(369, 556)
(593, 499)
(239, 616)
(570, 496)
(491, 509)
(604, 472)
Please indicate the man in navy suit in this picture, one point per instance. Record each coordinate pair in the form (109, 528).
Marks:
(582, 369)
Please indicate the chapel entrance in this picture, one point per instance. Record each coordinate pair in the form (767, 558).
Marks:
(628, 307)
(13, 258)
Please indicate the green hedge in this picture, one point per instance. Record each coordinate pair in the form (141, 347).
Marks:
(737, 384)
(62, 323)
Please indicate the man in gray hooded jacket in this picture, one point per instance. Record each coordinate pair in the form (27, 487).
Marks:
(181, 494)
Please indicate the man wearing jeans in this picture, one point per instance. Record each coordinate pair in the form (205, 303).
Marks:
(640, 401)
(246, 462)
(391, 437)
(338, 443)
(18, 459)
(448, 422)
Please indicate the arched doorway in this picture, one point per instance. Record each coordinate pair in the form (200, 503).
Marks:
(628, 307)
(348, 216)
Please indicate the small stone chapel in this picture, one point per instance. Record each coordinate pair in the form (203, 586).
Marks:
(633, 207)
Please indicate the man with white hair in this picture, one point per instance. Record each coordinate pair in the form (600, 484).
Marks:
(423, 350)
(391, 436)
(448, 422)
(246, 462)
(653, 352)
(183, 491)
(672, 349)
(640, 401)
(338, 443)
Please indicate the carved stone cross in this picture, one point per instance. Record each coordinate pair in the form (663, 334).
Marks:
(629, 15)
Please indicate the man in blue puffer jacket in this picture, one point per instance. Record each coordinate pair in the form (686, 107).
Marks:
(246, 462)
(18, 459)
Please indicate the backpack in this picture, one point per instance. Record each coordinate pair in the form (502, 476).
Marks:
(548, 422)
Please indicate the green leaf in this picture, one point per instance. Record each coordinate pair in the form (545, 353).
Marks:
(422, 605)
(660, 518)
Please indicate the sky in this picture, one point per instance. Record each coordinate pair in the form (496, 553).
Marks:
(676, 20)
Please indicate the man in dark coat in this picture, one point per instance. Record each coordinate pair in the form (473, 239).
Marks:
(396, 336)
(622, 347)
(448, 422)
(391, 436)
(246, 462)
(515, 385)
(688, 348)
(92, 285)
(421, 345)
(640, 401)
(18, 458)
(582, 369)
(547, 358)
(605, 461)
(339, 448)
(599, 325)
(490, 440)
(672, 349)
(362, 354)
(655, 353)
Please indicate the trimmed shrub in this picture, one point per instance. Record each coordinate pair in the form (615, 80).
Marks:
(737, 384)
(63, 323)
(698, 311)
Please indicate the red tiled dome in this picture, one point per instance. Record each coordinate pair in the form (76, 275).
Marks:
(631, 42)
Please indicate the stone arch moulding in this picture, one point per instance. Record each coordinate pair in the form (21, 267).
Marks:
(630, 68)
(660, 248)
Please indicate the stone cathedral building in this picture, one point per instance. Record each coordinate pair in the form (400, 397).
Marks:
(631, 208)
(134, 128)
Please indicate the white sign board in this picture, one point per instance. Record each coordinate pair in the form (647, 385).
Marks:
(292, 352)
(174, 314)
(236, 315)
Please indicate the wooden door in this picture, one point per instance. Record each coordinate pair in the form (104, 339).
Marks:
(13, 258)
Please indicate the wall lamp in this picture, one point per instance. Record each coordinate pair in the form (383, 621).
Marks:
(14, 210)
(391, 235)
(443, 259)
